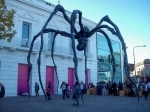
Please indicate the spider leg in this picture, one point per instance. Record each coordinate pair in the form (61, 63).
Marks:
(85, 55)
(111, 51)
(39, 65)
(28, 61)
(73, 18)
(98, 29)
(126, 66)
(62, 33)
(118, 34)
(52, 53)
(57, 8)
(61, 9)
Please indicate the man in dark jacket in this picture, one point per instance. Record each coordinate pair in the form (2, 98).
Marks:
(36, 89)
(2, 90)
(76, 92)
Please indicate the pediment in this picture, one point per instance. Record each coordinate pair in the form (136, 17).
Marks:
(53, 24)
(27, 16)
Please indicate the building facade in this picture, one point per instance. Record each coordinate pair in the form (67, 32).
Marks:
(142, 70)
(29, 19)
(131, 67)
(104, 58)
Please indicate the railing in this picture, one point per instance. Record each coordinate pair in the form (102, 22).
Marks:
(19, 44)
(23, 44)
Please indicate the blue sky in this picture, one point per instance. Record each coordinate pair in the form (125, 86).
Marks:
(131, 16)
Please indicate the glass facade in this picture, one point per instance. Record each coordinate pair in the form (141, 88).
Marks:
(104, 60)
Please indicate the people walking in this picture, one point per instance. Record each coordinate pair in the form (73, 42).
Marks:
(76, 93)
(114, 86)
(36, 89)
(148, 86)
(104, 89)
(2, 90)
(82, 87)
(48, 92)
(63, 87)
(49, 84)
(145, 91)
(67, 90)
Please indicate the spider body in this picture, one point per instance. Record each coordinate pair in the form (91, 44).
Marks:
(82, 37)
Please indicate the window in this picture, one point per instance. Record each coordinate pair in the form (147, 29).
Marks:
(25, 34)
(50, 40)
(116, 46)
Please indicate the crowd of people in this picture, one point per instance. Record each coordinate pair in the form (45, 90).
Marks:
(80, 89)
(128, 88)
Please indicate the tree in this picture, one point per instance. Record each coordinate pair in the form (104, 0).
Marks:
(6, 22)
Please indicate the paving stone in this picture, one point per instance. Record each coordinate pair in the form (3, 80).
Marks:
(93, 103)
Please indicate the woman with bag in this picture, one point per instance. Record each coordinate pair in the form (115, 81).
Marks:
(48, 92)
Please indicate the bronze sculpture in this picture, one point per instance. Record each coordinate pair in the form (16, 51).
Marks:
(82, 37)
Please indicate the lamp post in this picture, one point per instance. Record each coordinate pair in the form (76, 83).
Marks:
(134, 57)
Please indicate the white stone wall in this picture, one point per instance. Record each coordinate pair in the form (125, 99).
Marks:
(11, 54)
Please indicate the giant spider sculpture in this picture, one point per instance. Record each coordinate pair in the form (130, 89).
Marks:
(82, 37)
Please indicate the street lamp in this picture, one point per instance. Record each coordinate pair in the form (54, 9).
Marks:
(134, 56)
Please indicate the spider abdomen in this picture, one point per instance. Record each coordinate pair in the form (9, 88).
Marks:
(81, 44)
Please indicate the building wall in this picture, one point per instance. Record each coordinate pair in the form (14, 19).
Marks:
(12, 54)
(143, 69)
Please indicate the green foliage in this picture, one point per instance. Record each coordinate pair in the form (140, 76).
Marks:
(6, 22)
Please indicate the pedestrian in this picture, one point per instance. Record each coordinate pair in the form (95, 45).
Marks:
(145, 91)
(67, 90)
(148, 86)
(82, 87)
(63, 87)
(104, 89)
(76, 93)
(49, 85)
(2, 90)
(36, 89)
(48, 92)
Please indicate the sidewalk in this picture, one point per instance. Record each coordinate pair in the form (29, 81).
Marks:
(93, 103)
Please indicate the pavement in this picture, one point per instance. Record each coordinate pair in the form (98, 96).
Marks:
(93, 103)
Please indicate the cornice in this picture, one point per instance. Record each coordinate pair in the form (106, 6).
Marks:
(85, 21)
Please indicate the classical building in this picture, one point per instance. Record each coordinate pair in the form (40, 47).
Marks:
(29, 19)
(142, 69)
